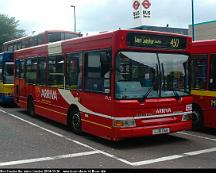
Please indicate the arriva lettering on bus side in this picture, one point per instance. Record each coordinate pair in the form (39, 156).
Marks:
(49, 94)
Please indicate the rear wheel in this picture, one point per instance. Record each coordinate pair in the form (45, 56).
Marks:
(30, 107)
(75, 122)
(197, 119)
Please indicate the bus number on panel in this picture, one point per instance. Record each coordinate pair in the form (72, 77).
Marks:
(174, 43)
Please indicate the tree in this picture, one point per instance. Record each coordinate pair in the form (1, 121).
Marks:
(8, 29)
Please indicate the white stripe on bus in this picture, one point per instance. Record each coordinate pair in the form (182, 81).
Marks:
(70, 99)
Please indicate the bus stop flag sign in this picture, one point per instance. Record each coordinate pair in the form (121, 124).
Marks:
(141, 11)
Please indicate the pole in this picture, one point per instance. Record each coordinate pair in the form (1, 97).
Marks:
(74, 17)
(193, 28)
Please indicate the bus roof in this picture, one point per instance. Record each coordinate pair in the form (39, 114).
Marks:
(100, 36)
(15, 40)
(204, 42)
(204, 46)
(47, 31)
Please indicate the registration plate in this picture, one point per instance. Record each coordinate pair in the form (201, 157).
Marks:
(160, 131)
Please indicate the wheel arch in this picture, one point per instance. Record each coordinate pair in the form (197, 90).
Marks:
(197, 106)
(30, 97)
(197, 117)
(30, 107)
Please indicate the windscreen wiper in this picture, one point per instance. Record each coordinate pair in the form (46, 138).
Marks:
(146, 94)
(176, 94)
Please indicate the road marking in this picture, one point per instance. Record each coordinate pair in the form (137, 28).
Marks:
(139, 163)
(173, 157)
(197, 136)
(193, 153)
(18, 162)
(161, 159)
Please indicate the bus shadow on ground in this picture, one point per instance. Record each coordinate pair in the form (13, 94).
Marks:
(208, 131)
(8, 105)
(140, 142)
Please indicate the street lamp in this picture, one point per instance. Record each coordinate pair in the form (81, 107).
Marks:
(193, 29)
(74, 17)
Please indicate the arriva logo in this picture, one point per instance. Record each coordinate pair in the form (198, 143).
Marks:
(49, 94)
(163, 111)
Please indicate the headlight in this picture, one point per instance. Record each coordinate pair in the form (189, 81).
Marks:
(186, 117)
(189, 108)
(124, 123)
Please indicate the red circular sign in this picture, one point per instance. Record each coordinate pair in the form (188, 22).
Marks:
(146, 4)
(136, 5)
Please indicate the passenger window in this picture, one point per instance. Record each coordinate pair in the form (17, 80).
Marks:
(212, 81)
(41, 73)
(53, 37)
(17, 68)
(22, 69)
(31, 71)
(98, 71)
(1, 72)
(19, 45)
(25, 43)
(74, 71)
(40, 39)
(56, 71)
(199, 66)
(8, 75)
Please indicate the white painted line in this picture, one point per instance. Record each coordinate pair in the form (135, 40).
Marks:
(197, 136)
(193, 153)
(161, 159)
(173, 157)
(3, 111)
(117, 158)
(18, 162)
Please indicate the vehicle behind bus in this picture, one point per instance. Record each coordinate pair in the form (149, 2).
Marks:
(203, 66)
(39, 39)
(6, 77)
(115, 85)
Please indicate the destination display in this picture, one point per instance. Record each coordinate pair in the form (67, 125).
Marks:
(156, 41)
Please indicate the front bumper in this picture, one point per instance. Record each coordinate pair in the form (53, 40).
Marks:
(122, 133)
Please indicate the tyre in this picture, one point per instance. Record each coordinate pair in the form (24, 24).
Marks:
(75, 122)
(30, 107)
(197, 119)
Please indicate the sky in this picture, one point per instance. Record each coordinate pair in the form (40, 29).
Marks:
(95, 16)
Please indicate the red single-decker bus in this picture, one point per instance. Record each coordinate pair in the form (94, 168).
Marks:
(115, 85)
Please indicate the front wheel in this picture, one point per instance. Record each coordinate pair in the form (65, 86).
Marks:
(197, 119)
(75, 122)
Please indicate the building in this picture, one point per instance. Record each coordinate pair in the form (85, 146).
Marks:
(163, 29)
(204, 30)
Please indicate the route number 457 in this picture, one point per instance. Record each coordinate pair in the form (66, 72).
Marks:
(174, 43)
